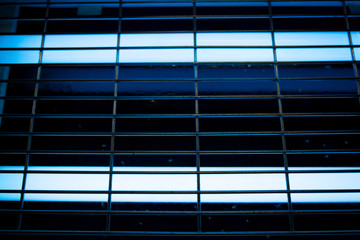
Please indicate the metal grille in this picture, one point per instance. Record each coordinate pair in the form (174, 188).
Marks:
(179, 119)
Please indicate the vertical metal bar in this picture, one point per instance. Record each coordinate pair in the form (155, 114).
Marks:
(348, 30)
(33, 110)
(198, 186)
(282, 127)
(113, 127)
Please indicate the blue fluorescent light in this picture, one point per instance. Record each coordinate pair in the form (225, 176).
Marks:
(244, 198)
(19, 57)
(311, 38)
(313, 54)
(79, 56)
(235, 55)
(156, 55)
(156, 40)
(10, 196)
(325, 197)
(357, 54)
(11, 181)
(184, 182)
(20, 41)
(355, 37)
(165, 198)
(80, 40)
(234, 39)
(47, 181)
(313, 181)
(264, 181)
(40, 197)
(161, 182)
(66, 168)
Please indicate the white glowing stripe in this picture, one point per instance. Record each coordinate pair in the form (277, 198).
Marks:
(80, 40)
(177, 54)
(156, 55)
(48, 181)
(164, 198)
(183, 182)
(311, 38)
(310, 181)
(244, 198)
(263, 181)
(152, 182)
(156, 39)
(79, 56)
(234, 39)
(235, 55)
(313, 54)
(325, 197)
(66, 197)
(66, 168)
(156, 169)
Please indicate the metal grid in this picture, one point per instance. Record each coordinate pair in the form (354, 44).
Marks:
(197, 134)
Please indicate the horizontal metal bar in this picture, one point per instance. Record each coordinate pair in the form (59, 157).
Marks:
(183, 191)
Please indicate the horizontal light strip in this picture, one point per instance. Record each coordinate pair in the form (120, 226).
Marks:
(156, 40)
(184, 182)
(313, 54)
(80, 40)
(311, 38)
(180, 39)
(234, 39)
(156, 55)
(179, 54)
(235, 55)
(79, 56)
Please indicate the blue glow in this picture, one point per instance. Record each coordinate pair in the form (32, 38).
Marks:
(155, 169)
(235, 55)
(11, 168)
(79, 56)
(184, 198)
(355, 37)
(81, 40)
(313, 54)
(20, 41)
(183, 182)
(263, 181)
(11, 181)
(67, 168)
(26, 56)
(309, 181)
(38, 181)
(253, 198)
(66, 197)
(161, 182)
(325, 197)
(156, 40)
(225, 169)
(234, 39)
(156, 55)
(10, 196)
(357, 54)
(311, 38)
